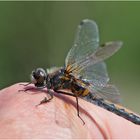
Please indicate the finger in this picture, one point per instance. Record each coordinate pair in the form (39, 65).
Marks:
(20, 118)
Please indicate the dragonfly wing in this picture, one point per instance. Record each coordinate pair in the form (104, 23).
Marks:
(92, 67)
(95, 74)
(86, 51)
(107, 50)
(85, 59)
(99, 55)
(86, 42)
(108, 92)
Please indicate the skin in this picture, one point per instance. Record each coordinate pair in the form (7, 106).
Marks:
(22, 117)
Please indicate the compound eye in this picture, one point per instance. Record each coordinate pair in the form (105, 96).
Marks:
(38, 77)
(42, 74)
(39, 72)
(33, 80)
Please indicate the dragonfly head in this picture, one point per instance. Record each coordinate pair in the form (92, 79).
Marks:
(38, 77)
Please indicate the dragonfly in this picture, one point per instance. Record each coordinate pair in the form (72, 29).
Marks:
(84, 74)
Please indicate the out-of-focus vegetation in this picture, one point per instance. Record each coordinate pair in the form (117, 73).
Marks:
(39, 34)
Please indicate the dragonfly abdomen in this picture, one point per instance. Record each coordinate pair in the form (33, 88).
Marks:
(117, 109)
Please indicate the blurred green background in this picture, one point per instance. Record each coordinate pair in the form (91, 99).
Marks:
(39, 34)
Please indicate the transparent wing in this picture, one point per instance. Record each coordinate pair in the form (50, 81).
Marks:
(95, 74)
(100, 54)
(112, 95)
(98, 79)
(108, 92)
(86, 42)
(85, 60)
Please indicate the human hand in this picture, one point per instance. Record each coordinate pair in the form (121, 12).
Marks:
(21, 118)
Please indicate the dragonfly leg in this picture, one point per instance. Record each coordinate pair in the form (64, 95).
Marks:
(77, 103)
(45, 100)
(64, 92)
(31, 88)
(78, 112)
(25, 85)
